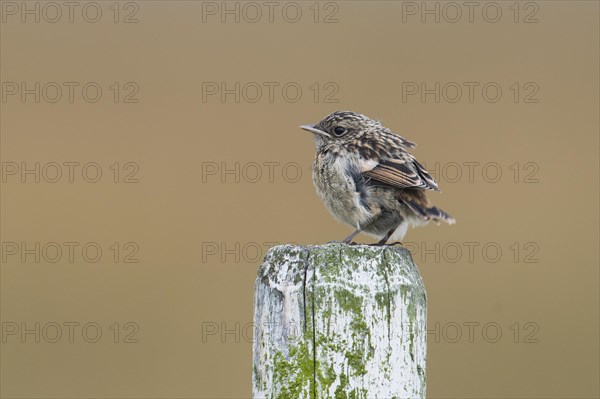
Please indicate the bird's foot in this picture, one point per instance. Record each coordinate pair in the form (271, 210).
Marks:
(383, 244)
(343, 242)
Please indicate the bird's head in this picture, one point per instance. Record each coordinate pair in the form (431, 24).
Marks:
(354, 130)
(341, 126)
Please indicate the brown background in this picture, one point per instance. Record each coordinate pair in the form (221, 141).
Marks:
(177, 288)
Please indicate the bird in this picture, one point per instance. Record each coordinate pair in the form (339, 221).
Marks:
(366, 178)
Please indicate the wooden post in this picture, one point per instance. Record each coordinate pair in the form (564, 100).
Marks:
(339, 321)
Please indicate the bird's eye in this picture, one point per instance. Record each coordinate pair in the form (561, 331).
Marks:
(338, 130)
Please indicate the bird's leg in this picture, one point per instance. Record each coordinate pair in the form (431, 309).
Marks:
(348, 240)
(342, 242)
(386, 237)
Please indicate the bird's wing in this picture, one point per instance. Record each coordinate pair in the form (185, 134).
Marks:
(401, 172)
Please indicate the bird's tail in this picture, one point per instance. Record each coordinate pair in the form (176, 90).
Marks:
(437, 215)
(432, 213)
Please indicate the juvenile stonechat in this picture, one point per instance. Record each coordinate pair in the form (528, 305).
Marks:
(366, 177)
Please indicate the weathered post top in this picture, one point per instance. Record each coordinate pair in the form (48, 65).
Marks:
(339, 321)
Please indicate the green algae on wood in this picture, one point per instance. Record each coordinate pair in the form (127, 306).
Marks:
(360, 313)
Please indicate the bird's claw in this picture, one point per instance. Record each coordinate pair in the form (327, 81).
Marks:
(381, 244)
(343, 242)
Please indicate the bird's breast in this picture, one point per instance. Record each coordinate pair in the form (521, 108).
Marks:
(335, 179)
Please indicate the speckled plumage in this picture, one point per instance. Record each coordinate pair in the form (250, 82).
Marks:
(366, 177)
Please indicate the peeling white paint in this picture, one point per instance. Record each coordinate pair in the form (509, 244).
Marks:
(337, 319)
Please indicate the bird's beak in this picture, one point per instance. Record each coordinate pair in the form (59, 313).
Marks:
(312, 129)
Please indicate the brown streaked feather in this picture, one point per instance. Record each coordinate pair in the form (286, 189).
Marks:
(402, 173)
(393, 138)
(388, 161)
(414, 196)
(420, 205)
